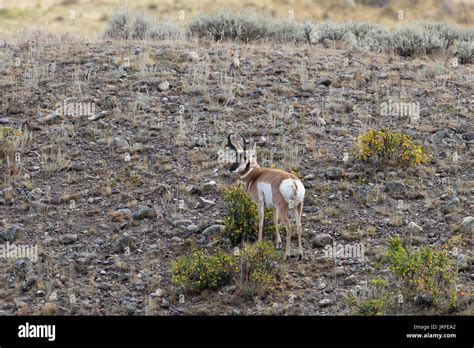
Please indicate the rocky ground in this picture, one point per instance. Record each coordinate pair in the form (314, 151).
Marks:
(111, 197)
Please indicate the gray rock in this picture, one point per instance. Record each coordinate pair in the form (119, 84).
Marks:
(469, 136)
(4, 120)
(205, 203)
(193, 56)
(444, 133)
(414, 227)
(322, 240)
(468, 224)
(10, 234)
(451, 205)
(130, 306)
(125, 242)
(164, 86)
(182, 222)
(213, 230)
(144, 212)
(333, 173)
(396, 189)
(351, 280)
(176, 239)
(325, 81)
(118, 143)
(68, 238)
(326, 302)
(192, 228)
(165, 303)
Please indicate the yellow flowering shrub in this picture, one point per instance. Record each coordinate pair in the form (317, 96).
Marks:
(198, 270)
(382, 145)
(254, 267)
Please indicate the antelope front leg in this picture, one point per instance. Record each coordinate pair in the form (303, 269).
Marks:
(277, 231)
(261, 215)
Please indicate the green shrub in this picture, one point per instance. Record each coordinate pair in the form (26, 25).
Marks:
(241, 221)
(328, 30)
(465, 52)
(198, 271)
(423, 38)
(416, 280)
(245, 27)
(125, 25)
(384, 145)
(252, 268)
(421, 271)
(379, 301)
(257, 266)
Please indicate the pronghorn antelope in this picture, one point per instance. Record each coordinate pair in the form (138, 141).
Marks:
(269, 188)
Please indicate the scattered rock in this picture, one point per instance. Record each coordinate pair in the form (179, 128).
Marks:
(130, 306)
(351, 280)
(164, 86)
(325, 81)
(181, 222)
(326, 302)
(4, 120)
(165, 303)
(176, 239)
(396, 189)
(451, 206)
(205, 203)
(53, 297)
(469, 136)
(444, 133)
(213, 230)
(192, 228)
(10, 234)
(193, 56)
(125, 243)
(118, 143)
(145, 212)
(414, 227)
(121, 215)
(68, 238)
(333, 173)
(468, 224)
(322, 240)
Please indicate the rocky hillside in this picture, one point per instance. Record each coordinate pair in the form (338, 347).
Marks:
(112, 170)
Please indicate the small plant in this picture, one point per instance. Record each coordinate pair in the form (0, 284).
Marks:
(241, 221)
(245, 27)
(423, 271)
(257, 266)
(385, 145)
(377, 299)
(198, 271)
(125, 25)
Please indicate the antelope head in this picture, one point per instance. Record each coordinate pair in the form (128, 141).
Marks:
(244, 158)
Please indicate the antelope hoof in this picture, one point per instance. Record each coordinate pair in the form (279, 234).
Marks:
(278, 245)
(287, 257)
(300, 256)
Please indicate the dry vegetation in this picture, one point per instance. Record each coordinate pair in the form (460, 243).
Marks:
(109, 164)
